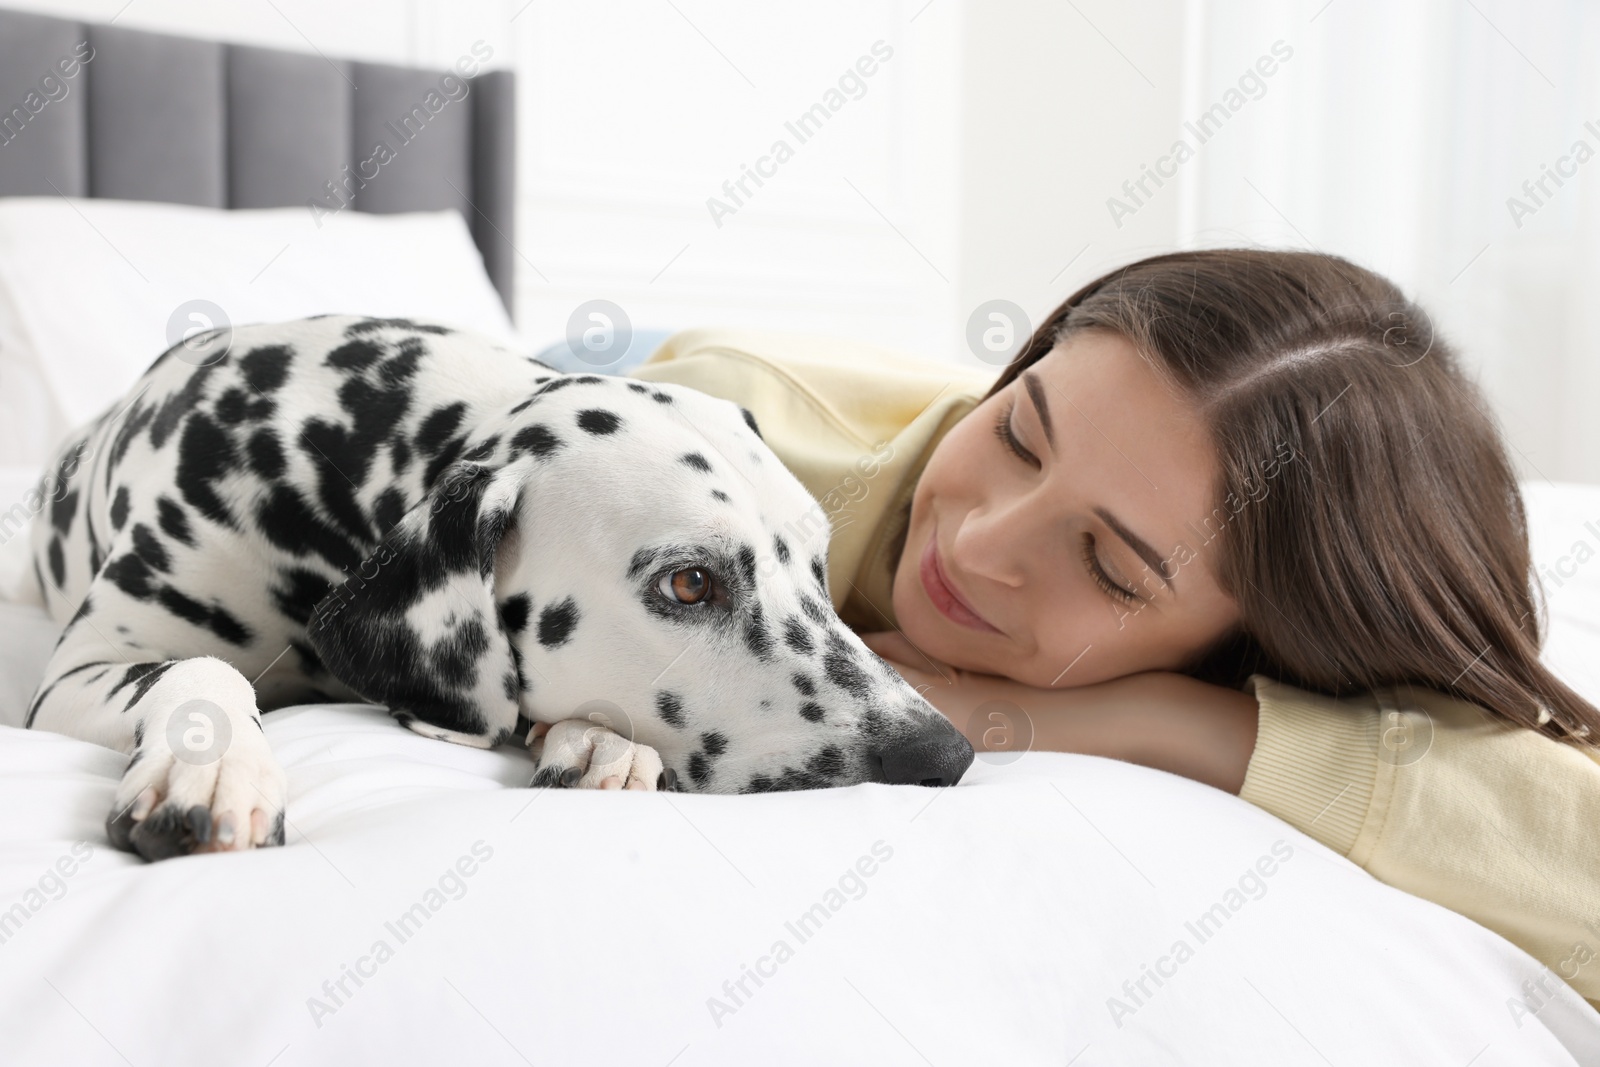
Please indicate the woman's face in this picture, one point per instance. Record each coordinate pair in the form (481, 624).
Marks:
(1078, 557)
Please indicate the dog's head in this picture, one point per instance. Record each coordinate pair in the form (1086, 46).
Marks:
(634, 554)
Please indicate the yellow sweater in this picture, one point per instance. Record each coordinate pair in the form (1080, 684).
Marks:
(1425, 792)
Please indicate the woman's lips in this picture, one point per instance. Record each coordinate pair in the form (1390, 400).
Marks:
(943, 595)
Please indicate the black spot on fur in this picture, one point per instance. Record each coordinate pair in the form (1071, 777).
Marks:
(205, 455)
(597, 421)
(756, 635)
(173, 521)
(389, 508)
(150, 549)
(638, 388)
(454, 659)
(299, 591)
(839, 663)
(661, 398)
(217, 619)
(438, 426)
(354, 355)
(670, 708)
(695, 460)
(803, 683)
(747, 565)
(136, 420)
(780, 548)
(265, 454)
(63, 511)
(516, 664)
(820, 771)
(819, 571)
(286, 521)
(750, 421)
(483, 449)
(814, 610)
(58, 562)
(796, 636)
(232, 405)
(130, 574)
(641, 561)
(119, 508)
(828, 763)
(175, 406)
(142, 676)
(714, 743)
(341, 459)
(699, 767)
(442, 462)
(83, 610)
(811, 711)
(235, 406)
(557, 622)
(536, 439)
(514, 613)
(720, 495)
(267, 368)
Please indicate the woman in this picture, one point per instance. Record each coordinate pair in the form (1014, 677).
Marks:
(1233, 514)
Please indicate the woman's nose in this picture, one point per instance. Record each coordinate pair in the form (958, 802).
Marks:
(990, 543)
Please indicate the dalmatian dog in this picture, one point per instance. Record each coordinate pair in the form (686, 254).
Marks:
(380, 510)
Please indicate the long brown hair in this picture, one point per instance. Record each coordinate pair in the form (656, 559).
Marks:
(1369, 523)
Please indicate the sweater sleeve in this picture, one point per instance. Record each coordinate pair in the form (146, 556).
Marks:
(1434, 796)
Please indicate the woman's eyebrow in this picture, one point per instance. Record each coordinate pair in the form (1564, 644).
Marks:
(1035, 389)
(1137, 543)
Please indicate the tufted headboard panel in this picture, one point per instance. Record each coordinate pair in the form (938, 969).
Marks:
(152, 116)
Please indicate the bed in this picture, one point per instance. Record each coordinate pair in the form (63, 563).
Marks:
(428, 908)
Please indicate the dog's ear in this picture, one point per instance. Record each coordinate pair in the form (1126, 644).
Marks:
(417, 628)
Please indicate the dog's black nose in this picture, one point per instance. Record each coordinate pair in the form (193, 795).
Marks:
(932, 754)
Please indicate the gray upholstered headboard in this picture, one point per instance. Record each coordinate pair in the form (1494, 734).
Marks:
(159, 117)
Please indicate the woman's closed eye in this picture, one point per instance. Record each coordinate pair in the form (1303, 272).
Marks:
(1091, 561)
(1112, 587)
(1002, 430)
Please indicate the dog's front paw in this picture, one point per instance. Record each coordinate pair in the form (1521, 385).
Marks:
(206, 781)
(576, 754)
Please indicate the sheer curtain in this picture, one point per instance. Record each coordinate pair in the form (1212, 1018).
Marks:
(1451, 144)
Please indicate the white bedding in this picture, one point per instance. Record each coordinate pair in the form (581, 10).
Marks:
(990, 923)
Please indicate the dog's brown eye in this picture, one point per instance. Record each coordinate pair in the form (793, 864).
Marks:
(688, 586)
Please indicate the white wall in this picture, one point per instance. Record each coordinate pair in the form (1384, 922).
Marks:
(640, 113)
(981, 161)
(1061, 104)
(971, 168)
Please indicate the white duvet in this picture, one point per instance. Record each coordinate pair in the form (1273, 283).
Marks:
(427, 909)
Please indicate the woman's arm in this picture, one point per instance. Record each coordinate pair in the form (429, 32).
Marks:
(1158, 719)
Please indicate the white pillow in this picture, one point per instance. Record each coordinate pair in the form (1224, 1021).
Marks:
(89, 290)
